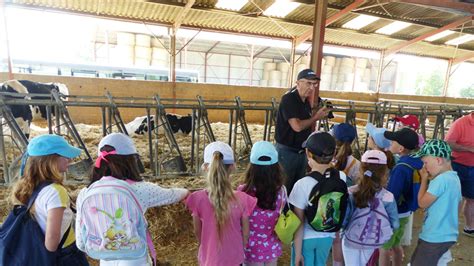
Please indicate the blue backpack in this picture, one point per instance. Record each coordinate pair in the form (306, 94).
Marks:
(22, 240)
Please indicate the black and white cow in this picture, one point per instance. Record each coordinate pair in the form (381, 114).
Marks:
(139, 125)
(24, 114)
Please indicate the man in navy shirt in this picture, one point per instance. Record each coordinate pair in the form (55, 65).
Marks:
(293, 126)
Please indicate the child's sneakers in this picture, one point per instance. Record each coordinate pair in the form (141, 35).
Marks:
(468, 232)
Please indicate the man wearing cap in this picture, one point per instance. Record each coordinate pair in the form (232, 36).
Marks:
(461, 139)
(293, 126)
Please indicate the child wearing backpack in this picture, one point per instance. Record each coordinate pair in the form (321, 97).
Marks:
(404, 184)
(377, 141)
(440, 196)
(110, 211)
(344, 134)
(371, 214)
(220, 214)
(319, 200)
(264, 180)
(41, 188)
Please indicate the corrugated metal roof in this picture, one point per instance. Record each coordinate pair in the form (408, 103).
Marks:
(250, 21)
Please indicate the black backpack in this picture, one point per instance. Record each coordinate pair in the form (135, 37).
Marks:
(22, 240)
(327, 201)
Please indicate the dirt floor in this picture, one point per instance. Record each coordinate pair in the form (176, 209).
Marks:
(171, 226)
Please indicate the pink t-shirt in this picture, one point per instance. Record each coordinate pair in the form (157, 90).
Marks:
(229, 250)
(462, 132)
(264, 245)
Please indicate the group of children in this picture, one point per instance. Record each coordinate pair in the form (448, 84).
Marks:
(234, 227)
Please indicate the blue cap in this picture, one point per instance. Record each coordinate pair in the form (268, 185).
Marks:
(344, 132)
(377, 136)
(52, 144)
(263, 148)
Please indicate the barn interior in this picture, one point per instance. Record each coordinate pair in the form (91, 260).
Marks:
(227, 63)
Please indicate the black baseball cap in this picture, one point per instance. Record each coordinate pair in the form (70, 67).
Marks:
(307, 74)
(321, 144)
(407, 137)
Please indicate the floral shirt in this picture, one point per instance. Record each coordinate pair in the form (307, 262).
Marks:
(263, 244)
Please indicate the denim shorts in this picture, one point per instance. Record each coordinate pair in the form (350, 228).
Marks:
(466, 176)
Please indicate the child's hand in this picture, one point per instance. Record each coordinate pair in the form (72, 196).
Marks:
(186, 196)
(299, 260)
(423, 174)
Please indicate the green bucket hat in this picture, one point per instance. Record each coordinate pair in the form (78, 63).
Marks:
(436, 148)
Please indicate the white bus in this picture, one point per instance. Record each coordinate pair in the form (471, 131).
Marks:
(101, 71)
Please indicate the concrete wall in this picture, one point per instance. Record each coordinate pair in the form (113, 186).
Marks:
(133, 88)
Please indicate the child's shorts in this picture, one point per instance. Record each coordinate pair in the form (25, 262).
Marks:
(397, 235)
(427, 254)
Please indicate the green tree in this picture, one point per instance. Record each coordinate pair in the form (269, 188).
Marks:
(467, 92)
(431, 84)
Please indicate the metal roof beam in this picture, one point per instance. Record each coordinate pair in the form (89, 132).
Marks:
(309, 33)
(461, 59)
(182, 14)
(398, 47)
(450, 4)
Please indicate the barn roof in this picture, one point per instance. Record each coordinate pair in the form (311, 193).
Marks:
(203, 14)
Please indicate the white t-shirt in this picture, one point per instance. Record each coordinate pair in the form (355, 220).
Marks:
(51, 197)
(299, 197)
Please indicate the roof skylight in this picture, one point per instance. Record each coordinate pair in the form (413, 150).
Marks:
(439, 35)
(393, 27)
(460, 40)
(359, 22)
(281, 8)
(231, 4)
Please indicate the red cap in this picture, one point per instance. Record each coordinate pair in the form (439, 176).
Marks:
(409, 120)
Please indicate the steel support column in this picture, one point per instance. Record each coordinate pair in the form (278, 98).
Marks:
(447, 78)
(319, 28)
(173, 56)
(291, 80)
(7, 40)
(379, 73)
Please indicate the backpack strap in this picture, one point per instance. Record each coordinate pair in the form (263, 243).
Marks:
(149, 240)
(36, 193)
(63, 239)
(284, 196)
(407, 165)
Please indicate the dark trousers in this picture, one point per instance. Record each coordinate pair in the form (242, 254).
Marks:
(294, 162)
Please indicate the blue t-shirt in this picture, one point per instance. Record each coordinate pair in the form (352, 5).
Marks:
(441, 218)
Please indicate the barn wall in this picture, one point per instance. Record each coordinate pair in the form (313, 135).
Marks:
(120, 88)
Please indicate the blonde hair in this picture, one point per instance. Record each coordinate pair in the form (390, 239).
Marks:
(220, 190)
(37, 170)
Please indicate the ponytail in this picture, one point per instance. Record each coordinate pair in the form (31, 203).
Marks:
(220, 190)
(344, 151)
(390, 159)
(373, 176)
